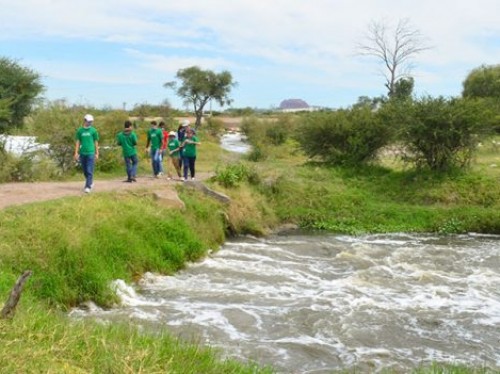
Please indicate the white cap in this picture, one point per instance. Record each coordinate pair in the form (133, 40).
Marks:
(88, 118)
(185, 123)
(172, 133)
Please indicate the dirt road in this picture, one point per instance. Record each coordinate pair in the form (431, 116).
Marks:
(22, 193)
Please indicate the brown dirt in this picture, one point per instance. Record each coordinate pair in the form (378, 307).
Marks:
(23, 193)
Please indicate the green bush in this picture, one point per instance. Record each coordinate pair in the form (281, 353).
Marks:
(345, 137)
(56, 125)
(442, 134)
(232, 175)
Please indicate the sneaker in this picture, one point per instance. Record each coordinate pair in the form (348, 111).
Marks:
(192, 178)
(127, 181)
(92, 186)
(134, 180)
(86, 190)
(169, 178)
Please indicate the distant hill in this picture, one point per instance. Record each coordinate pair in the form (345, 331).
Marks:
(293, 104)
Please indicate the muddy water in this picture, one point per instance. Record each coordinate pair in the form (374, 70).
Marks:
(313, 304)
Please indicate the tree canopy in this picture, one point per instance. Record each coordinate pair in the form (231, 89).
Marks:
(19, 88)
(198, 87)
(483, 82)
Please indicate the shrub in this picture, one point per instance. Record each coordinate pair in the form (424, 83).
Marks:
(345, 137)
(214, 126)
(442, 134)
(233, 174)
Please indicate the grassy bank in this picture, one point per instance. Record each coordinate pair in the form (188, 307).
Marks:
(382, 197)
(75, 247)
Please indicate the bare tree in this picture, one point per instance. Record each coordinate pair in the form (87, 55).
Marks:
(395, 48)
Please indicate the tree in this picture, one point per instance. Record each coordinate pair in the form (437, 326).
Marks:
(403, 89)
(19, 88)
(483, 82)
(396, 49)
(199, 86)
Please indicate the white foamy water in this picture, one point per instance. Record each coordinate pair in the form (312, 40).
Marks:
(312, 304)
(234, 142)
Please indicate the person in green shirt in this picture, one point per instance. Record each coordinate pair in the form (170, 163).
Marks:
(87, 150)
(189, 153)
(174, 154)
(127, 139)
(153, 147)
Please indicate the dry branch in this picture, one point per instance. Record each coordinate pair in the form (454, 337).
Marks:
(10, 306)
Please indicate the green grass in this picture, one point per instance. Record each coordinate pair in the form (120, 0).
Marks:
(75, 248)
(41, 341)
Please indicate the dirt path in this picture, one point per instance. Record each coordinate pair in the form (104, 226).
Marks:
(22, 193)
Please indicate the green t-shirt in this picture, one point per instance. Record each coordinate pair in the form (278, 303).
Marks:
(87, 136)
(173, 144)
(190, 149)
(128, 141)
(155, 137)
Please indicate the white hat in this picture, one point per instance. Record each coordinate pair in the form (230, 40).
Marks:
(88, 118)
(172, 133)
(185, 123)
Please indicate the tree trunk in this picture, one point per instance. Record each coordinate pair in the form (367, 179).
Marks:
(10, 306)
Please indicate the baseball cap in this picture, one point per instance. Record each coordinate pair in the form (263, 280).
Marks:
(88, 118)
(185, 123)
(172, 133)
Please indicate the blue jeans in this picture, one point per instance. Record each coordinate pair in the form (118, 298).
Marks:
(162, 156)
(131, 165)
(156, 161)
(87, 162)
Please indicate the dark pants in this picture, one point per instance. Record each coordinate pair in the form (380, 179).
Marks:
(87, 162)
(131, 166)
(188, 163)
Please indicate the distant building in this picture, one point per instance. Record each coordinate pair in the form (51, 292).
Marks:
(295, 105)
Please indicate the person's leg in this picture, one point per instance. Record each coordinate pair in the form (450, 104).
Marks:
(128, 167)
(176, 165)
(157, 162)
(192, 161)
(160, 163)
(83, 164)
(133, 171)
(168, 166)
(153, 162)
(87, 162)
(185, 164)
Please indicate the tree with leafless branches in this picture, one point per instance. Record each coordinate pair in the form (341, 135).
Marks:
(394, 48)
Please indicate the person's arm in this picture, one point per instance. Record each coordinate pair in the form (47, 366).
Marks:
(77, 150)
(96, 145)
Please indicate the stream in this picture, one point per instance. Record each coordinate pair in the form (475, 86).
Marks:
(319, 303)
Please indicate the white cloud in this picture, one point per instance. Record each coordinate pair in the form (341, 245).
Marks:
(308, 42)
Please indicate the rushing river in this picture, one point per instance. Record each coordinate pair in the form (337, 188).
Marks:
(316, 303)
(235, 142)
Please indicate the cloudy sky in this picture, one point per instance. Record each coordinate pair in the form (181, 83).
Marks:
(115, 53)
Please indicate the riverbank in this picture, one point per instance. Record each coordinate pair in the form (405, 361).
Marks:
(77, 245)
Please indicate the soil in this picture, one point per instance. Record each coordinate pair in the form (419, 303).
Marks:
(23, 193)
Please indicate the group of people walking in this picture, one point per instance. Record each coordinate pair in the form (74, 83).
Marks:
(178, 147)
